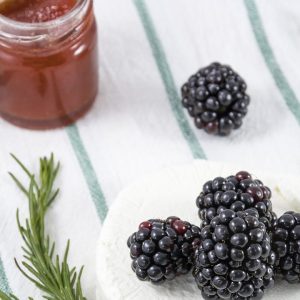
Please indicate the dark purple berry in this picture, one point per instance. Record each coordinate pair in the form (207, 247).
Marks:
(145, 224)
(238, 193)
(180, 227)
(286, 245)
(216, 98)
(256, 193)
(235, 256)
(242, 175)
(161, 250)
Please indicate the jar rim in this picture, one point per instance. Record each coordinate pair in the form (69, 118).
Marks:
(42, 34)
(25, 26)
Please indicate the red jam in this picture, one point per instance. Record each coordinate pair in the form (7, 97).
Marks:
(49, 82)
(37, 11)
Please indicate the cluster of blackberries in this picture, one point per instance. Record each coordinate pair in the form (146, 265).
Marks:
(238, 193)
(216, 98)
(235, 260)
(238, 249)
(286, 244)
(163, 249)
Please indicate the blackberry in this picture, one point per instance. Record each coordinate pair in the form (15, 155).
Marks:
(286, 245)
(234, 260)
(161, 250)
(239, 192)
(216, 98)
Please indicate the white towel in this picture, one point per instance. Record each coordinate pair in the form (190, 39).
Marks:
(137, 126)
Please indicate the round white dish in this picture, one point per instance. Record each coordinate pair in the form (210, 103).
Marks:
(172, 192)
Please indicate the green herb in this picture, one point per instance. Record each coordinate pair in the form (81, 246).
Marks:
(41, 266)
(10, 297)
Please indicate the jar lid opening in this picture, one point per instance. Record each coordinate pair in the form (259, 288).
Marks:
(12, 29)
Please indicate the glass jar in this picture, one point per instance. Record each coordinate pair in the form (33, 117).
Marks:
(49, 71)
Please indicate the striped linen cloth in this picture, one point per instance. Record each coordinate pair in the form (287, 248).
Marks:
(137, 126)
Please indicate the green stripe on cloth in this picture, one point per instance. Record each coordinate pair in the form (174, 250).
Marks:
(168, 80)
(270, 59)
(88, 172)
(4, 286)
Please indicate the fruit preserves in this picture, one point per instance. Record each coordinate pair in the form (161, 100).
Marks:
(48, 62)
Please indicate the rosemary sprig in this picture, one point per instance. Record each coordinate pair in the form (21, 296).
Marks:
(47, 271)
(3, 296)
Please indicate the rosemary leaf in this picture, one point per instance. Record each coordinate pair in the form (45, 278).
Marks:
(41, 266)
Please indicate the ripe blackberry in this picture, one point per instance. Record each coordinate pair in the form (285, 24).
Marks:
(216, 98)
(286, 245)
(234, 260)
(162, 250)
(239, 192)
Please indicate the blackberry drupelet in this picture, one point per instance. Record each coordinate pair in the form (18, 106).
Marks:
(161, 250)
(239, 193)
(216, 98)
(286, 245)
(234, 260)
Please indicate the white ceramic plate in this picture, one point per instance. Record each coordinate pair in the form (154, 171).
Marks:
(173, 192)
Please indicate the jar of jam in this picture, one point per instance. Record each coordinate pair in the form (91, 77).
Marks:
(48, 61)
